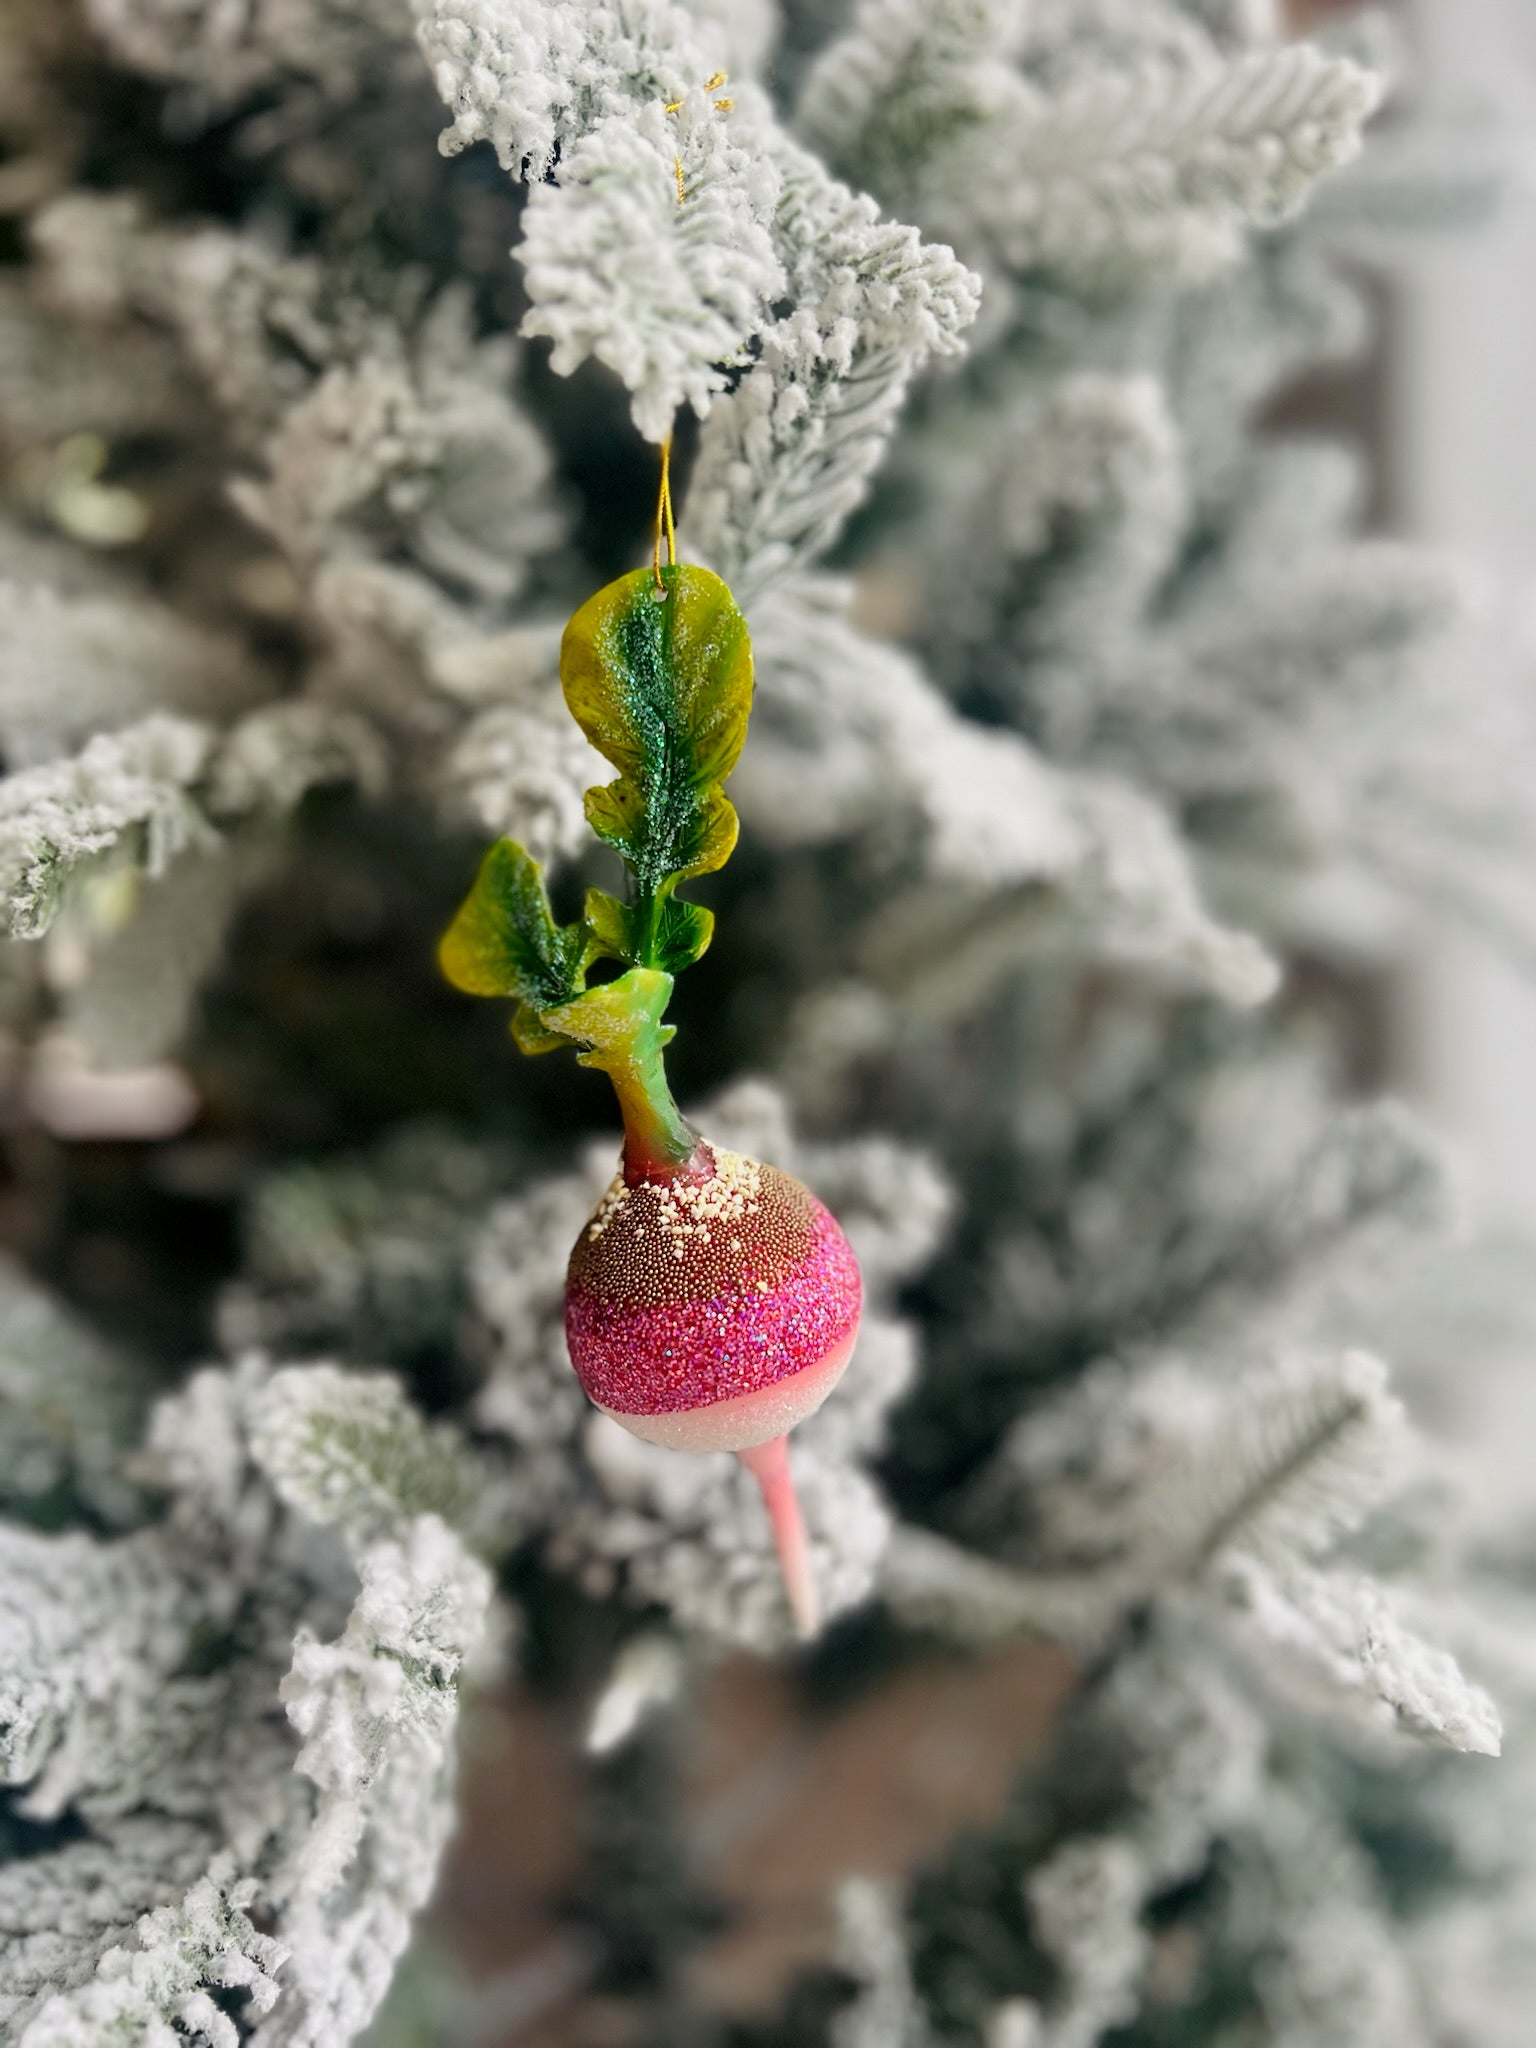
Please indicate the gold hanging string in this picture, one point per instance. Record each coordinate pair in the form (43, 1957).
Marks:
(665, 527)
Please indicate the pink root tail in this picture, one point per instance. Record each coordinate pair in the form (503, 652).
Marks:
(769, 1465)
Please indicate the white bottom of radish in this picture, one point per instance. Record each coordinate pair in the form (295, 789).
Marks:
(745, 1420)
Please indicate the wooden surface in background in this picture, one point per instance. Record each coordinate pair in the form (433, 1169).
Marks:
(782, 1802)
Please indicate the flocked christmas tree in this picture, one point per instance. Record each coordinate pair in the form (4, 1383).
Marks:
(1073, 679)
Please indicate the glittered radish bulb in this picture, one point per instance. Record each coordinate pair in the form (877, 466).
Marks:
(711, 1312)
(711, 1301)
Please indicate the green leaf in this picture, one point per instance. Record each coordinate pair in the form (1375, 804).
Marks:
(611, 925)
(505, 942)
(683, 932)
(669, 934)
(661, 684)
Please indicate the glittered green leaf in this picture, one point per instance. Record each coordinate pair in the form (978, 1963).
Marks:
(505, 942)
(661, 684)
(665, 933)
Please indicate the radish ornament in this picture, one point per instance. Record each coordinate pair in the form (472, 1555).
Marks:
(711, 1301)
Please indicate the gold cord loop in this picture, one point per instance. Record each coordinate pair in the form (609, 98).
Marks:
(665, 526)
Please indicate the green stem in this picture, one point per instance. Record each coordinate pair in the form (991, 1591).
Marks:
(647, 907)
(658, 1143)
(621, 1026)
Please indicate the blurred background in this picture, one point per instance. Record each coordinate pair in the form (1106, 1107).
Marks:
(1461, 436)
(1153, 1707)
(1460, 452)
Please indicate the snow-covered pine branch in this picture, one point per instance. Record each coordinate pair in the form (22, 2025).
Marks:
(118, 1708)
(1158, 162)
(1334, 1638)
(161, 1977)
(376, 1710)
(1004, 835)
(70, 1407)
(80, 662)
(382, 427)
(339, 46)
(1062, 527)
(789, 454)
(652, 252)
(1146, 1476)
(128, 790)
(690, 284)
(883, 99)
(533, 77)
(646, 239)
(144, 796)
(348, 1450)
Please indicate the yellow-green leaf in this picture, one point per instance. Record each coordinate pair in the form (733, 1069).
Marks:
(531, 1035)
(661, 684)
(505, 942)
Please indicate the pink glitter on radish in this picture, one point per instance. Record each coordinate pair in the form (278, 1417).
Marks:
(716, 1333)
